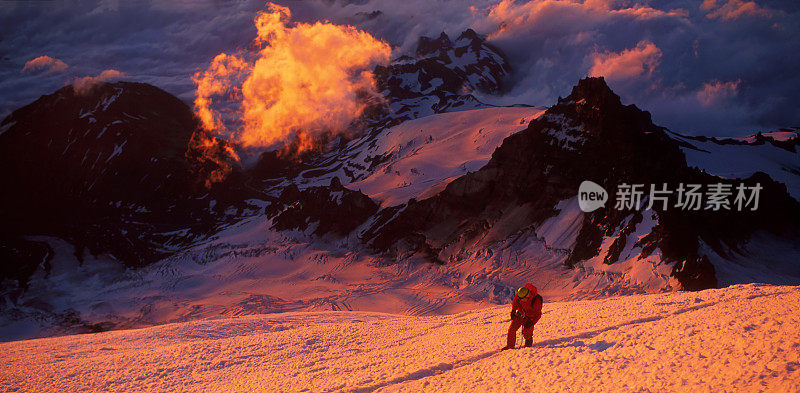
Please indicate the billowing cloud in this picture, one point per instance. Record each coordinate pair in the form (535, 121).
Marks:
(305, 81)
(87, 83)
(716, 91)
(628, 64)
(220, 81)
(45, 63)
(733, 9)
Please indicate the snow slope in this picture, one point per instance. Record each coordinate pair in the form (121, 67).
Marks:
(418, 157)
(430, 152)
(740, 338)
(743, 160)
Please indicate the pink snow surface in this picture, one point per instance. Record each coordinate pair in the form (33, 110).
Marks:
(742, 338)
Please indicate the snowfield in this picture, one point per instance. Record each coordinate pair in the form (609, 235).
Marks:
(740, 338)
(430, 152)
(741, 161)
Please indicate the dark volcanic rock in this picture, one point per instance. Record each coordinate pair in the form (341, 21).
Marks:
(111, 170)
(335, 209)
(695, 275)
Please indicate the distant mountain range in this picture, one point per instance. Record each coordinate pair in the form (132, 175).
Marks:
(442, 203)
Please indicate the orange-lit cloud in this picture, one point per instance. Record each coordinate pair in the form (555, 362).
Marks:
(306, 80)
(732, 9)
(628, 64)
(218, 80)
(44, 63)
(717, 91)
(87, 83)
(512, 16)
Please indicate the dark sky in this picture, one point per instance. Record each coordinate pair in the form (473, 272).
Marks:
(717, 67)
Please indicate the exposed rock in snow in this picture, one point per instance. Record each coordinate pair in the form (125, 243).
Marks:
(334, 209)
(442, 76)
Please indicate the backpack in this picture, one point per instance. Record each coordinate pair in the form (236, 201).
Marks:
(529, 322)
(538, 296)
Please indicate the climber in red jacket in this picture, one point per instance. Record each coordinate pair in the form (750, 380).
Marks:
(525, 311)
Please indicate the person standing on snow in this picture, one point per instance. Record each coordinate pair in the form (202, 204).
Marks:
(525, 311)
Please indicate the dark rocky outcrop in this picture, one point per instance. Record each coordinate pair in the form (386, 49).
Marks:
(333, 208)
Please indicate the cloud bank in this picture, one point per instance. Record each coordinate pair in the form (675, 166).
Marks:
(717, 67)
(629, 64)
(733, 9)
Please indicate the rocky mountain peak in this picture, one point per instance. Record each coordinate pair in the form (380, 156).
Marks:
(594, 92)
(427, 45)
(469, 34)
(441, 77)
(589, 135)
(602, 116)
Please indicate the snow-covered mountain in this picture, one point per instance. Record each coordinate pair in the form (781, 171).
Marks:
(740, 338)
(441, 204)
(110, 170)
(442, 76)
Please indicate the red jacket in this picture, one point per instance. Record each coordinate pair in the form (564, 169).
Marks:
(531, 306)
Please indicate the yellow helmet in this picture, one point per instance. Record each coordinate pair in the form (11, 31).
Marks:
(523, 292)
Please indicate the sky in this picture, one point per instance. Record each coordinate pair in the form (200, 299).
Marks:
(712, 67)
